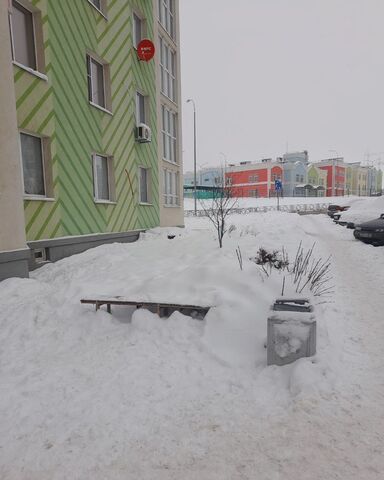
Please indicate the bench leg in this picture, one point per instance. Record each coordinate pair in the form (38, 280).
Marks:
(109, 308)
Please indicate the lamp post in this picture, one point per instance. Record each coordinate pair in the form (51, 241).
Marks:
(194, 152)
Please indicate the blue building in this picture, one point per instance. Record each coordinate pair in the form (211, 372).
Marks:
(294, 172)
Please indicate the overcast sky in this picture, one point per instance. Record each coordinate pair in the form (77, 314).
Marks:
(270, 73)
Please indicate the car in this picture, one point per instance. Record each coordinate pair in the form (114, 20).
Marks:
(371, 232)
(362, 210)
(334, 209)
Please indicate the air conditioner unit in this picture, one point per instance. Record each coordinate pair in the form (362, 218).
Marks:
(143, 133)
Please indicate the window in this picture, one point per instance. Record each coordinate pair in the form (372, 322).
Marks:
(253, 193)
(167, 70)
(26, 36)
(100, 5)
(98, 83)
(168, 130)
(297, 178)
(102, 178)
(166, 16)
(140, 108)
(144, 180)
(171, 188)
(22, 35)
(137, 34)
(33, 165)
(253, 178)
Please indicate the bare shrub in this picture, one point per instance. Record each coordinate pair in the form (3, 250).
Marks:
(271, 260)
(217, 211)
(307, 272)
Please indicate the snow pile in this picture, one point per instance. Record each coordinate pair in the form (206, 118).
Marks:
(363, 210)
(129, 395)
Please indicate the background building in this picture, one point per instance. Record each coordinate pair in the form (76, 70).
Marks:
(317, 181)
(79, 92)
(336, 175)
(295, 173)
(254, 179)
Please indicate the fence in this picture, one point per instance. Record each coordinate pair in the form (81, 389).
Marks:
(302, 209)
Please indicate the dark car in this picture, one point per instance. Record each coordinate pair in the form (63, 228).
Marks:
(371, 232)
(333, 209)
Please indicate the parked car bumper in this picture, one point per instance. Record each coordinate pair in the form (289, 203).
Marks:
(371, 237)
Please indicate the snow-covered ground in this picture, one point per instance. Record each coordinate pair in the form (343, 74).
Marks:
(88, 395)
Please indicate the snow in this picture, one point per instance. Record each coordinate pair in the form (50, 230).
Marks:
(86, 394)
(290, 337)
(363, 210)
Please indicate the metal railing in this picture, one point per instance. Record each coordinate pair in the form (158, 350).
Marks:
(305, 208)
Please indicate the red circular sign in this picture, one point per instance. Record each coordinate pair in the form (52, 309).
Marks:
(145, 50)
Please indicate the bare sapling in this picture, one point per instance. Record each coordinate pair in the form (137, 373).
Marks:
(218, 210)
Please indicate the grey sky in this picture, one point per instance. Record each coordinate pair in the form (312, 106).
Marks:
(267, 72)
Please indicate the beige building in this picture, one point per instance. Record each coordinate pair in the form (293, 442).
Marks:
(14, 253)
(167, 33)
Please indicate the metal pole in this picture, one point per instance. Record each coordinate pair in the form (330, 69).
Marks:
(194, 155)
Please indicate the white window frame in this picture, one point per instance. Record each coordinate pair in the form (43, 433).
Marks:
(143, 27)
(110, 179)
(43, 165)
(106, 84)
(171, 185)
(37, 33)
(169, 137)
(167, 16)
(103, 7)
(168, 69)
(148, 183)
(145, 100)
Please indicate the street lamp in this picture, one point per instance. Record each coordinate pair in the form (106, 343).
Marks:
(194, 151)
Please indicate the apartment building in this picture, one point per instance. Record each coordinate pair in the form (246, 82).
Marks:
(90, 135)
(169, 112)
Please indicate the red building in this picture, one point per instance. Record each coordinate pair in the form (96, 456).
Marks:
(254, 179)
(336, 176)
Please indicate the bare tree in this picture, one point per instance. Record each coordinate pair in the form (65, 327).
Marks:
(219, 208)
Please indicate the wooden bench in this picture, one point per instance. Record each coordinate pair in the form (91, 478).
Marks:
(162, 309)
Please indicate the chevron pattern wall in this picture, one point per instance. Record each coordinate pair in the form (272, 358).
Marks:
(59, 109)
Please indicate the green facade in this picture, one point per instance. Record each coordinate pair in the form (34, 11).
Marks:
(59, 110)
